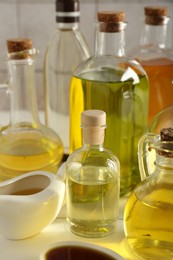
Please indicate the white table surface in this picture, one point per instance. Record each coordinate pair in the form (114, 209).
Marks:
(29, 249)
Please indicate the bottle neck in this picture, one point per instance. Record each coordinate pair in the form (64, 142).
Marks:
(68, 26)
(154, 35)
(110, 43)
(22, 90)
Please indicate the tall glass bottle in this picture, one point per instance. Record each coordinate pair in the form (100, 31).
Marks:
(66, 50)
(111, 82)
(25, 145)
(152, 53)
(92, 181)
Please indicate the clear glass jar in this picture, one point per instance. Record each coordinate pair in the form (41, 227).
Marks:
(155, 58)
(112, 82)
(92, 181)
(66, 49)
(25, 144)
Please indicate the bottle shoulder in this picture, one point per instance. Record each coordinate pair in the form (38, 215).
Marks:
(101, 156)
(110, 68)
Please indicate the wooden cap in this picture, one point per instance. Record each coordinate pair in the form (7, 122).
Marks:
(93, 118)
(17, 45)
(110, 21)
(155, 15)
(108, 16)
(156, 10)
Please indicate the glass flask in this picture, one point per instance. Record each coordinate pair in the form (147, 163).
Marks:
(92, 181)
(155, 58)
(112, 82)
(25, 144)
(148, 213)
(66, 49)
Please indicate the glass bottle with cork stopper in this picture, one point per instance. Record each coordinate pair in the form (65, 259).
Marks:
(149, 210)
(154, 55)
(25, 144)
(112, 82)
(92, 181)
(67, 49)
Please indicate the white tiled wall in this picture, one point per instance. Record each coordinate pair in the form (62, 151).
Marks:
(36, 19)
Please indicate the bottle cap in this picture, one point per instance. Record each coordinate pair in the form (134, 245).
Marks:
(17, 45)
(156, 15)
(111, 21)
(67, 11)
(93, 118)
(18, 48)
(166, 136)
(93, 124)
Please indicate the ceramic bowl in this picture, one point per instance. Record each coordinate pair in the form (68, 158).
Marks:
(75, 250)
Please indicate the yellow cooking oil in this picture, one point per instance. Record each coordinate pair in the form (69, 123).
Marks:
(24, 150)
(148, 222)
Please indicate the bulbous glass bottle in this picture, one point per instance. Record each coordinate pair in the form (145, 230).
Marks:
(92, 181)
(118, 85)
(25, 144)
(66, 49)
(149, 210)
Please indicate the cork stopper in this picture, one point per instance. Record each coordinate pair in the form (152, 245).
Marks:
(93, 123)
(156, 15)
(111, 21)
(166, 136)
(19, 46)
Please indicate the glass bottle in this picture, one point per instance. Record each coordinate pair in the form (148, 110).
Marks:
(112, 82)
(148, 213)
(92, 181)
(66, 50)
(155, 58)
(25, 144)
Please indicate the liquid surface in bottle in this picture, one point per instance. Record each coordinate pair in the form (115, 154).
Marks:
(124, 104)
(25, 151)
(160, 76)
(90, 211)
(149, 225)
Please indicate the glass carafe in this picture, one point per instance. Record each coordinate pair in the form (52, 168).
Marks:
(25, 144)
(148, 213)
(112, 82)
(66, 50)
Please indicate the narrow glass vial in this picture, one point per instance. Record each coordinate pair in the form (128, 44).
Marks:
(26, 144)
(155, 58)
(111, 82)
(92, 181)
(66, 50)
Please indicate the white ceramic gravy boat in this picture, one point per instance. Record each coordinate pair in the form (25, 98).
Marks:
(29, 202)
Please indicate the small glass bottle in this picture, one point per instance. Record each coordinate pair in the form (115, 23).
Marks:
(92, 181)
(155, 58)
(25, 144)
(112, 82)
(66, 50)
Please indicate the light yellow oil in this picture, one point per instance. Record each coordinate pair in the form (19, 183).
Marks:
(25, 151)
(92, 205)
(149, 223)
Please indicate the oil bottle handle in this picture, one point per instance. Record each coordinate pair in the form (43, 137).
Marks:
(146, 155)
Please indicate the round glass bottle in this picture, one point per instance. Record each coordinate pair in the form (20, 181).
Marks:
(112, 82)
(92, 181)
(155, 58)
(66, 49)
(149, 210)
(25, 144)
